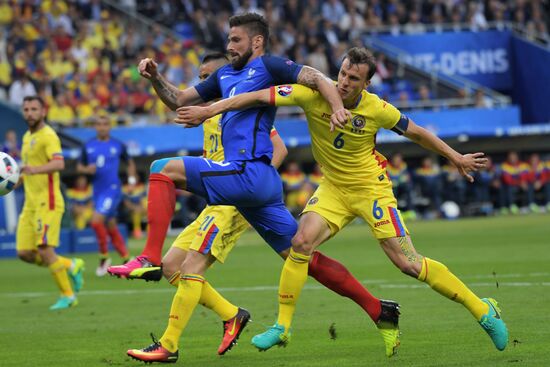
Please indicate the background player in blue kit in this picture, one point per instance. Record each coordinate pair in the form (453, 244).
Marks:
(101, 158)
(246, 179)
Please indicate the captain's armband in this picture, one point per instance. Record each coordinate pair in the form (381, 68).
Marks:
(401, 127)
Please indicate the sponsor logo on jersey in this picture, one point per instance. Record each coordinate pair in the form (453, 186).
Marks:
(325, 115)
(381, 223)
(314, 200)
(251, 72)
(289, 62)
(358, 122)
(284, 90)
(224, 76)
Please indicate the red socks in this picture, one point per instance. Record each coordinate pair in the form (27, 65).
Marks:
(101, 234)
(161, 202)
(118, 242)
(337, 278)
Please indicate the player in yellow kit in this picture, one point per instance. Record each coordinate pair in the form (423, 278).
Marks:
(40, 221)
(356, 184)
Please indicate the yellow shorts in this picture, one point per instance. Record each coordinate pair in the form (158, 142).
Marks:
(38, 227)
(215, 230)
(377, 206)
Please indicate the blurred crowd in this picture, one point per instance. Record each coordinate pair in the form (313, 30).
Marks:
(81, 55)
(428, 190)
(81, 59)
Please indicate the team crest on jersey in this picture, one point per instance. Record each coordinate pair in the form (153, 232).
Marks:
(314, 200)
(358, 122)
(113, 150)
(33, 142)
(284, 90)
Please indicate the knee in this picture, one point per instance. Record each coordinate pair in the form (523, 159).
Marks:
(169, 268)
(27, 256)
(165, 166)
(302, 244)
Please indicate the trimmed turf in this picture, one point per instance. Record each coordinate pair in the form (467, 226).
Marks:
(114, 315)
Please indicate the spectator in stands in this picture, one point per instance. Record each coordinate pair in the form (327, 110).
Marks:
(402, 184)
(293, 179)
(537, 182)
(80, 202)
(514, 180)
(21, 88)
(60, 112)
(454, 184)
(486, 179)
(481, 100)
(316, 176)
(11, 146)
(428, 178)
(414, 26)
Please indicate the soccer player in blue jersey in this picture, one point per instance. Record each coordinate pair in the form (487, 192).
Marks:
(246, 179)
(101, 157)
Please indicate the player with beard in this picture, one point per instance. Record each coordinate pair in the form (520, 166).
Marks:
(246, 180)
(40, 221)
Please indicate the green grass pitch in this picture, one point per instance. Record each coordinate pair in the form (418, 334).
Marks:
(114, 314)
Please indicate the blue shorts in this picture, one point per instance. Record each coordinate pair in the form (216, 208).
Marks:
(254, 187)
(106, 202)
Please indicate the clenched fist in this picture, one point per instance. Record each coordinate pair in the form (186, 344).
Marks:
(148, 68)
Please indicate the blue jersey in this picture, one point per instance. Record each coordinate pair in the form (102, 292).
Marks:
(106, 155)
(246, 133)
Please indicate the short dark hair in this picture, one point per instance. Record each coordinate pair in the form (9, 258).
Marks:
(34, 98)
(360, 55)
(212, 56)
(254, 23)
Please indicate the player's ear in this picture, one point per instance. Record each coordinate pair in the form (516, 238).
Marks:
(367, 83)
(257, 42)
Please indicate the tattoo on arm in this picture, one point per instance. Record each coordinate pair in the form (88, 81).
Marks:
(309, 76)
(408, 249)
(167, 92)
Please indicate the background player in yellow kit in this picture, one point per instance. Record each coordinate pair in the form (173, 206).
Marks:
(40, 221)
(356, 184)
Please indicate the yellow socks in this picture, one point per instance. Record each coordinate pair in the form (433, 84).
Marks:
(175, 279)
(293, 278)
(59, 273)
(68, 263)
(184, 302)
(210, 298)
(437, 276)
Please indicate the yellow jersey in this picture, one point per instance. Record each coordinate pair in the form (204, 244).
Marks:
(212, 147)
(42, 191)
(347, 156)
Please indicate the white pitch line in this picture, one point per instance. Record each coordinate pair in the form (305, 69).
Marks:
(382, 283)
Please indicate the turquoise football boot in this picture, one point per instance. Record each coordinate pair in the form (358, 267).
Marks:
(64, 302)
(275, 335)
(76, 274)
(493, 324)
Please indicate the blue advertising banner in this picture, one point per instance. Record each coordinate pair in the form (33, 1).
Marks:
(483, 57)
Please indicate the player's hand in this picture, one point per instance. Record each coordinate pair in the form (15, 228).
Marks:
(471, 163)
(92, 169)
(191, 116)
(28, 170)
(148, 68)
(339, 119)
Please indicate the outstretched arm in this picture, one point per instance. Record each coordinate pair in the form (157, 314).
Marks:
(168, 93)
(313, 78)
(191, 116)
(465, 163)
